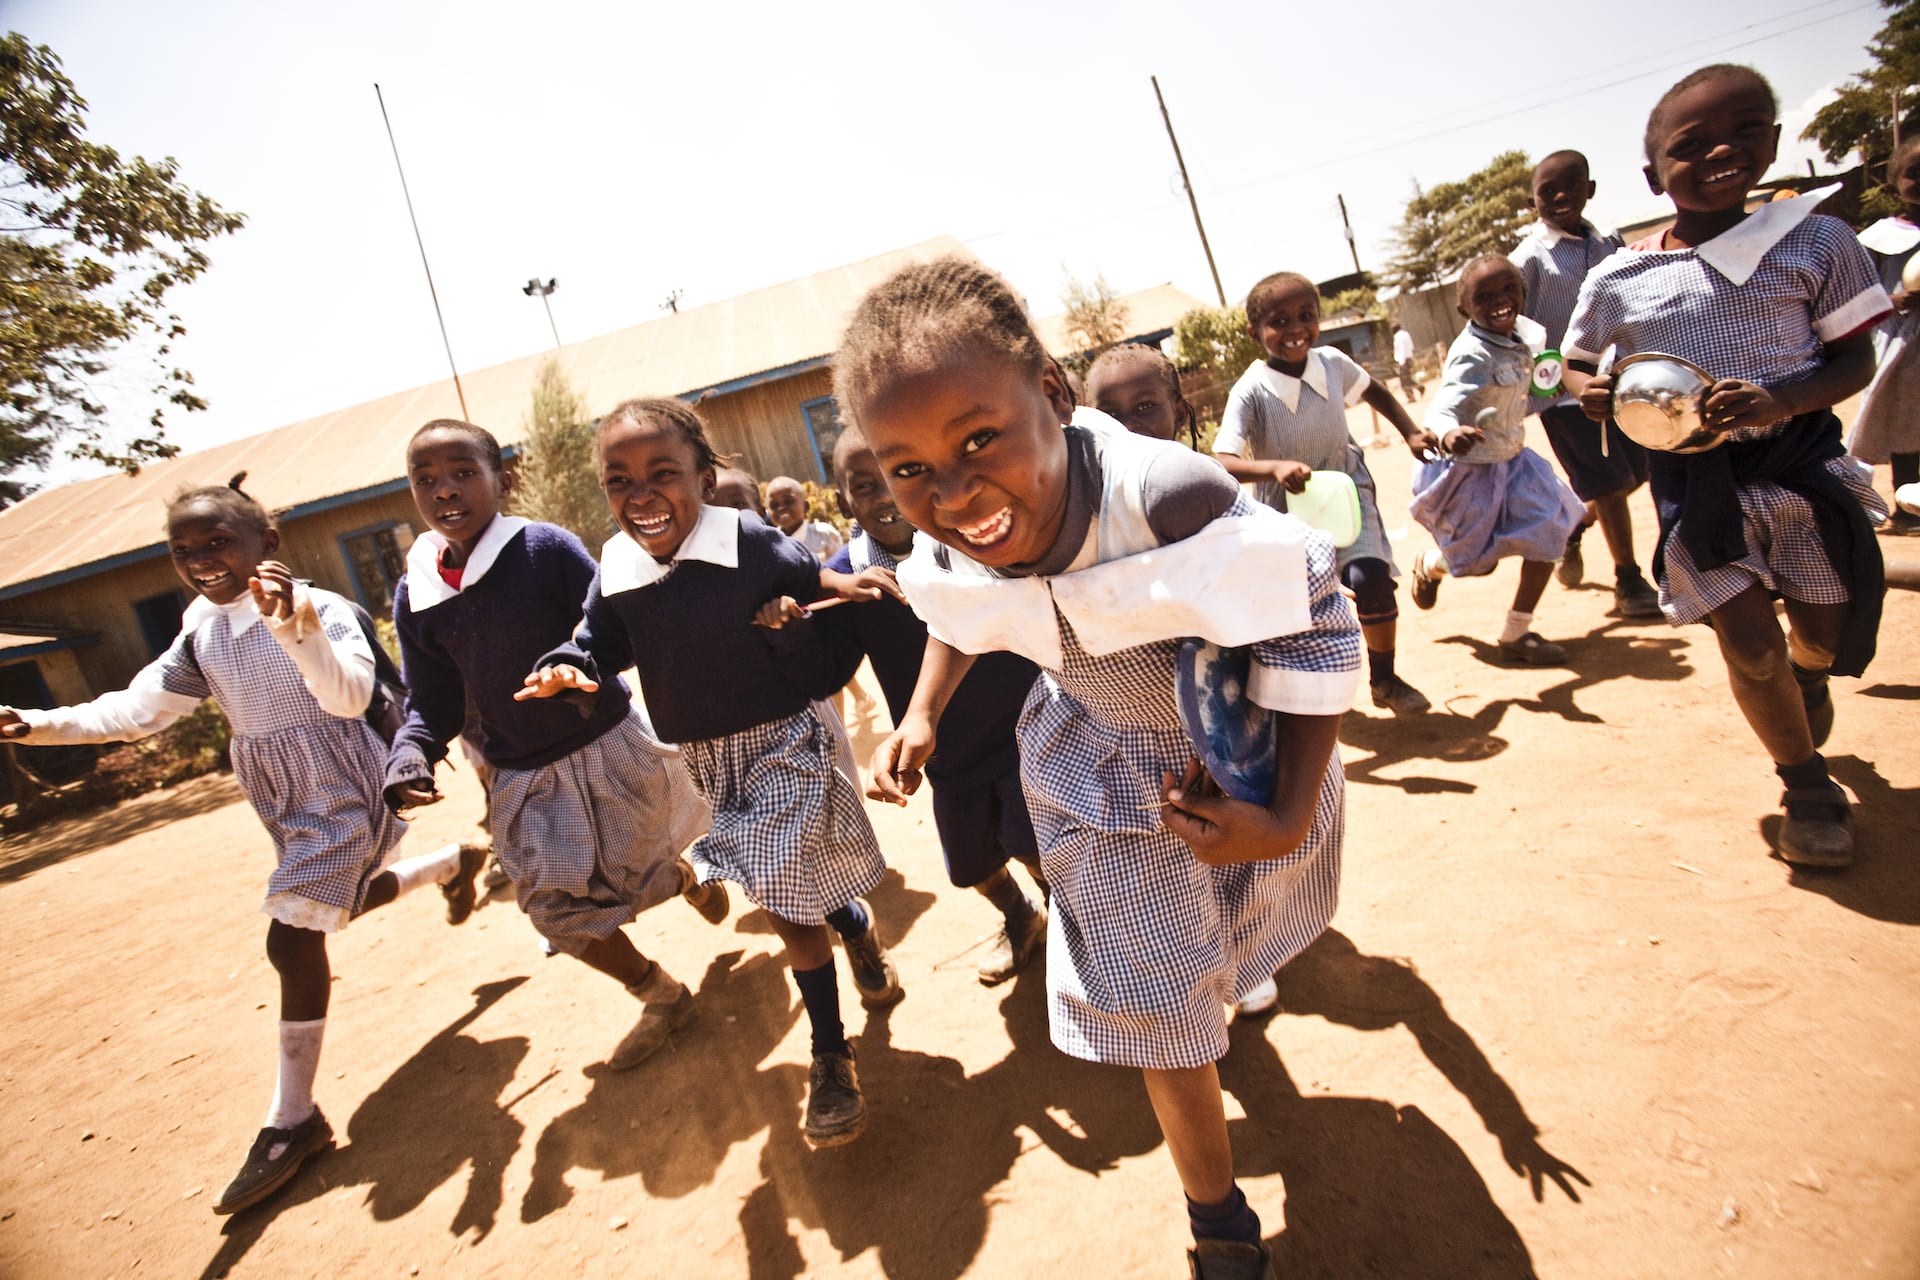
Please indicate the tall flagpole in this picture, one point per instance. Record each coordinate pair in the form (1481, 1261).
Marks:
(437, 314)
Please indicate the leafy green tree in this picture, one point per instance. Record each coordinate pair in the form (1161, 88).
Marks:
(90, 246)
(1363, 302)
(1096, 318)
(1215, 339)
(1862, 118)
(1447, 226)
(559, 474)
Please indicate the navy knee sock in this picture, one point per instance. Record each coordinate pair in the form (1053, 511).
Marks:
(1231, 1219)
(1379, 666)
(820, 992)
(851, 920)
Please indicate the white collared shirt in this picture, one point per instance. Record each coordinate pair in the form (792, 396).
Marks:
(715, 538)
(426, 588)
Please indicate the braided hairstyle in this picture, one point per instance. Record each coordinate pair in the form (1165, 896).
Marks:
(234, 503)
(665, 411)
(924, 317)
(1727, 72)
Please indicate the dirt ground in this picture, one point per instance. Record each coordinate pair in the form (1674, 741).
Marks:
(1572, 1020)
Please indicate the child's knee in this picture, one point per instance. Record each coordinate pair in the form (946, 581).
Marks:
(1754, 658)
(1371, 582)
(290, 949)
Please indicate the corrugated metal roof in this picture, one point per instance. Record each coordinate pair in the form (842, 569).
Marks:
(93, 525)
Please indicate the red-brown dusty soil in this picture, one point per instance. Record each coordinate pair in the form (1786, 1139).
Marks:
(1572, 1020)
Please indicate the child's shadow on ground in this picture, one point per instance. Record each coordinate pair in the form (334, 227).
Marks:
(1884, 881)
(919, 1185)
(1605, 653)
(1437, 735)
(1374, 1189)
(439, 1110)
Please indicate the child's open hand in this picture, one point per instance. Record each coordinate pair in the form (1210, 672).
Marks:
(1291, 476)
(402, 796)
(1733, 403)
(549, 682)
(272, 587)
(777, 613)
(897, 761)
(1596, 398)
(870, 583)
(11, 725)
(1219, 829)
(1422, 443)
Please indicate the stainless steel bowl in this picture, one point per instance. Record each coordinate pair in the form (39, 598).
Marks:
(1660, 402)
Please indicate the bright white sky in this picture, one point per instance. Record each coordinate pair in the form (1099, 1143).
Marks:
(633, 149)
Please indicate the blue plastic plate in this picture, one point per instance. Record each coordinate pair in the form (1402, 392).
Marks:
(1234, 737)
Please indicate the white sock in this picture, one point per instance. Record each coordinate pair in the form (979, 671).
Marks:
(437, 867)
(1433, 564)
(299, 1064)
(1518, 624)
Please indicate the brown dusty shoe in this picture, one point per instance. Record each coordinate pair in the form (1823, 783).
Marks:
(1572, 564)
(874, 976)
(462, 892)
(1634, 598)
(709, 899)
(1009, 954)
(666, 1006)
(1427, 572)
(1399, 697)
(266, 1172)
(1818, 830)
(836, 1111)
(1530, 650)
(1229, 1260)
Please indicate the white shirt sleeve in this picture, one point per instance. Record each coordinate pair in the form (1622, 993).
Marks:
(1353, 378)
(1234, 421)
(143, 708)
(335, 662)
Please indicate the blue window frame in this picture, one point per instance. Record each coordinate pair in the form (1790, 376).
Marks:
(822, 419)
(376, 557)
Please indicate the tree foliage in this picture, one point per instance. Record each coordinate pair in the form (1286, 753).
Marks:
(1447, 226)
(559, 474)
(90, 246)
(1362, 302)
(1096, 318)
(1215, 339)
(1861, 118)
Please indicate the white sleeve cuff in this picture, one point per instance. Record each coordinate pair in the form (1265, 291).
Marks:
(1862, 310)
(1303, 693)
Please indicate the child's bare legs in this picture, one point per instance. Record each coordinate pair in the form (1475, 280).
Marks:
(1371, 581)
(1193, 1119)
(1534, 576)
(808, 945)
(299, 956)
(619, 959)
(1518, 642)
(1616, 523)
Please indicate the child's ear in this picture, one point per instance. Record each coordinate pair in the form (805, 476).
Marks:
(708, 480)
(506, 482)
(1054, 386)
(840, 500)
(270, 540)
(1653, 180)
(1592, 187)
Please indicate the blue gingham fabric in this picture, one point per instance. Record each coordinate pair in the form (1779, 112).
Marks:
(594, 838)
(1147, 944)
(1554, 265)
(788, 827)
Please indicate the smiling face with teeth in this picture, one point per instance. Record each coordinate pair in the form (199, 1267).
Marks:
(973, 453)
(214, 551)
(654, 483)
(456, 489)
(864, 497)
(1715, 140)
(1288, 325)
(1492, 293)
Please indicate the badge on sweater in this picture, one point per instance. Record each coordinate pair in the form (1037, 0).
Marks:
(1548, 368)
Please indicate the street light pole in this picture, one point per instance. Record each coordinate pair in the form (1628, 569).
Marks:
(534, 289)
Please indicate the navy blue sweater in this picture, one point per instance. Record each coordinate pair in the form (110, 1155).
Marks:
(705, 670)
(481, 643)
(976, 731)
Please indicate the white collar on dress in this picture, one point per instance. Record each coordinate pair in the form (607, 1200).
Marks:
(863, 551)
(1287, 387)
(1736, 252)
(1551, 235)
(241, 613)
(426, 588)
(626, 566)
(1527, 332)
(1890, 236)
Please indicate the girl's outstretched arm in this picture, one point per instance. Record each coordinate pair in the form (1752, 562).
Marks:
(896, 762)
(1385, 403)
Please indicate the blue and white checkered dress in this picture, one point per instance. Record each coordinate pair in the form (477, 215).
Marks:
(788, 826)
(314, 778)
(594, 838)
(1814, 285)
(1148, 944)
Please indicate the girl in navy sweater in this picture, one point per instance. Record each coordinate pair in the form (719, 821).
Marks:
(589, 811)
(676, 597)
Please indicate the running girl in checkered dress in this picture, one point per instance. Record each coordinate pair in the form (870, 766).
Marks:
(1779, 305)
(1887, 428)
(292, 670)
(588, 813)
(1092, 552)
(676, 596)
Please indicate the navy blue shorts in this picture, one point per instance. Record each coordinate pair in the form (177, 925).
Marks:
(982, 826)
(1576, 443)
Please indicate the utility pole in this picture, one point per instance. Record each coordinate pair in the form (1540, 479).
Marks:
(673, 301)
(1352, 248)
(534, 289)
(1191, 200)
(434, 293)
